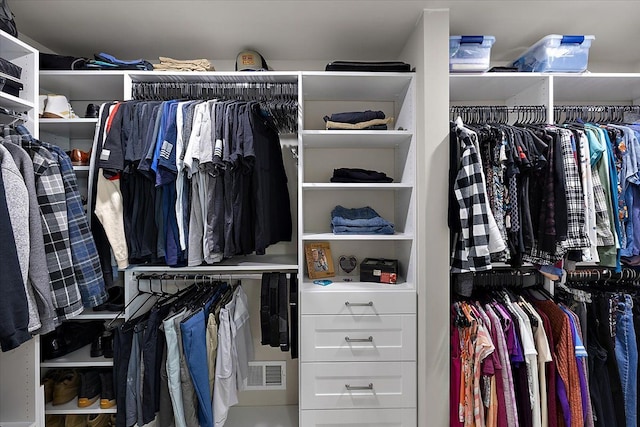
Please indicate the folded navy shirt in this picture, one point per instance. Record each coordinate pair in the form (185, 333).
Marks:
(359, 175)
(354, 117)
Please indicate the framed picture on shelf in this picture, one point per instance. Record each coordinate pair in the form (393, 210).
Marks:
(319, 260)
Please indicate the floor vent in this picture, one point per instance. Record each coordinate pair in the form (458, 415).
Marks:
(267, 375)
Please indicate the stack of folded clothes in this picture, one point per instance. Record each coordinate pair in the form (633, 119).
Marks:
(359, 221)
(358, 120)
(170, 64)
(359, 175)
(109, 62)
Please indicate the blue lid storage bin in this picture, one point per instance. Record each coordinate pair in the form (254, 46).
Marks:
(470, 53)
(556, 53)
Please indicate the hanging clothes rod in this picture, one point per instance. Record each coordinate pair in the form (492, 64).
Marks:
(525, 114)
(210, 277)
(594, 113)
(249, 91)
(604, 275)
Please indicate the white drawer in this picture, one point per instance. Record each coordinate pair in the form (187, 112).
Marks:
(359, 418)
(358, 338)
(358, 385)
(325, 301)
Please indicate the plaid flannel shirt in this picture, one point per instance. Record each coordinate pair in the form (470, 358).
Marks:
(55, 228)
(86, 263)
(472, 246)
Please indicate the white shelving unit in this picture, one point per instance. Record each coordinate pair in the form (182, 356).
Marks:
(351, 331)
(20, 400)
(80, 88)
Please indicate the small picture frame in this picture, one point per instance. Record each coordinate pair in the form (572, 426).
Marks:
(319, 260)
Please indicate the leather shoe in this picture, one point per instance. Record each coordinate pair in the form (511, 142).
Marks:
(92, 112)
(48, 381)
(54, 420)
(69, 337)
(102, 345)
(79, 157)
(66, 388)
(73, 420)
(98, 420)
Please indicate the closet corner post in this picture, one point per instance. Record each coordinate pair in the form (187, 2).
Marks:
(128, 87)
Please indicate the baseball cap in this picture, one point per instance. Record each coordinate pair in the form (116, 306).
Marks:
(250, 60)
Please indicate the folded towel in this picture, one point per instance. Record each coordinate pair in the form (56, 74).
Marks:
(185, 64)
(359, 126)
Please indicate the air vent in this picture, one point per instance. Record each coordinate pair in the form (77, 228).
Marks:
(267, 375)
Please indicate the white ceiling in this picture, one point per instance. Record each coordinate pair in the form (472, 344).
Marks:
(303, 30)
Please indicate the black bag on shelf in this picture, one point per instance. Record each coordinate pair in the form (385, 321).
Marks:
(384, 66)
(7, 24)
(9, 86)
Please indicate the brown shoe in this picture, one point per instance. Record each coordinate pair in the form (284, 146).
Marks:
(79, 157)
(66, 388)
(73, 420)
(54, 420)
(48, 381)
(98, 420)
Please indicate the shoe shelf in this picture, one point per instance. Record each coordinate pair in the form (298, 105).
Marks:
(70, 128)
(80, 358)
(72, 408)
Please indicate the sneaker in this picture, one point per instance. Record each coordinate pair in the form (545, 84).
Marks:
(98, 420)
(66, 388)
(89, 388)
(58, 107)
(42, 101)
(72, 420)
(107, 395)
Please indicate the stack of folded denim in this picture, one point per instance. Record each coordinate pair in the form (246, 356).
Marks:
(359, 221)
(358, 120)
(109, 62)
(359, 175)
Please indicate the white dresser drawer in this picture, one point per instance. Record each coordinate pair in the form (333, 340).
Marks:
(358, 385)
(359, 418)
(358, 338)
(326, 301)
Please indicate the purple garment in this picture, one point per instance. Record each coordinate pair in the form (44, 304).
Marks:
(513, 345)
(507, 414)
(564, 400)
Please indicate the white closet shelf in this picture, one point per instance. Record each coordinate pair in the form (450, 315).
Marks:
(80, 358)
(240, 263)
(603, 88)
(11, 48)
(15, 103)
(84, 85)
(491, 87)
(336, 86)
(81, 168)
(355, 138)
(369, 237)
(72, 408)
(89, 313)
(70, 128)
(356, 186)
(339, 284)
(16, 424)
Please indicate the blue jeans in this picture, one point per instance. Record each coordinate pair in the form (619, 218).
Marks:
(627, 356)
(194, 340)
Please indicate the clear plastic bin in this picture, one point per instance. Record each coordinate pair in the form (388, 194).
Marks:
(556, 53)
(470, 53)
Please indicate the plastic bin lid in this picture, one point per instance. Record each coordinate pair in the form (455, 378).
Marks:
(473, 39)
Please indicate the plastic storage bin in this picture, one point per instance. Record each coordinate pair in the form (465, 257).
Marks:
(470, 53)
(556, 53)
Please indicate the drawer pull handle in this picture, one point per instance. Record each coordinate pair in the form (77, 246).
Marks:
(347, 339)
(359, 387)
(362, 304)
